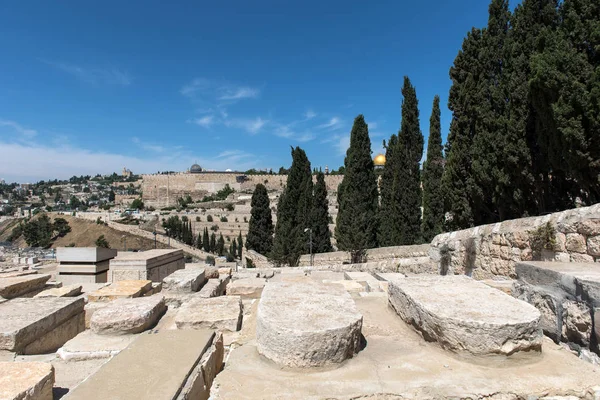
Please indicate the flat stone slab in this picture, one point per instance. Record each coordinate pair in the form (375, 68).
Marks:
(12, 274)
(64, 291)
(185, 280)
(307, 324)
(213, 288)
(23, 321)
(248, 288)
(26, 381)
(350, 286)
(84, 254)
(156, 366)
(90, 346)
(20, 285)
(462, 314)
(123, 316)
(372, 282)
(121, 289)
(222, 313)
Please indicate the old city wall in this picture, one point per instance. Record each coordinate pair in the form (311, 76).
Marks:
(495, 249)
(163, 190)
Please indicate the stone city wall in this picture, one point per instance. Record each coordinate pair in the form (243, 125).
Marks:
(495, 249)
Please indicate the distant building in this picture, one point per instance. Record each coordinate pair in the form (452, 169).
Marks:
(195, 169)
(126, 173)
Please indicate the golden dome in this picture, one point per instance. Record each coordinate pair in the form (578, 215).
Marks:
(379, 160)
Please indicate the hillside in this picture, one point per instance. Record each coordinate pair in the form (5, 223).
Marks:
(84, 233)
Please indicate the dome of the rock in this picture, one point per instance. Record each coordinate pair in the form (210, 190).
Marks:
(379, 160)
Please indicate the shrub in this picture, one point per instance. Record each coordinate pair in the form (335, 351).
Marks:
(70, 245)
(102, 242)
(542, 238)
(224, 219)
(198, 219)
(184, 218)
(99, 221)
(210, 260)
(214, 228)
(209, 218)
(249, 263)
(230, 207)
(230, 258)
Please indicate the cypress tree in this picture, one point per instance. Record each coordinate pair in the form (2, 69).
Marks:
(410, 148)
(321, 235)
(389, 223)
(240, 245)
(433, 169)
(206, 240)
(356, 228)
(199, 241)
(213, 242)
(260, 227)
(221, 245)
(293, 212)
(233, 248)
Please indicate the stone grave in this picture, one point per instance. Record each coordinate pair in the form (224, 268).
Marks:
(153, 265)
(26, 381)
(63, 291)
(123, 316)
(83, 264)
(222, 313)
(25, 285)
(247, 288)
(121, 289)
(89, 346)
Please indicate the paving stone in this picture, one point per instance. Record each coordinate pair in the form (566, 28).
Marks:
(35, 326)
(250, 288)
(121, 289)
(26, 380)
(462, 314)
(20, 285)
(222, 313)
(89, 346)
(185, 280)
(63, 291)
(124, 316)
(307, 324)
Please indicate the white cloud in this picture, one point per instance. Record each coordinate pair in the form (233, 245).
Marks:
(18, 128)
(196, 85)
(205, 121)
(285, 131)
(147, 146)
(94, 75)
(238, 93)
(215, 93)
(334, 123)
(310, 114)
(252, 126)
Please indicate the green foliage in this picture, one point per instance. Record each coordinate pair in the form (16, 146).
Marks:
(209, 218)
(210, 260)
(137, 204)
(16, 233)
(293, 212)
(206, 240)
(321, 236)
(198, 219)
(357, 195)
(213, 242)
(38, 232)
(388, 216)
(542, 238)
(111, 196)
(102, 242)
(220, 195)
(230, 207)
(223, 219)
(433, 169)
(260, 228)
(214, 228)
(220, 245)
(240, 245)
(61, 226)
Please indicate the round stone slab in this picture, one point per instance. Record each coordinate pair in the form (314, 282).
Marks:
(462, 314)
(307, 324)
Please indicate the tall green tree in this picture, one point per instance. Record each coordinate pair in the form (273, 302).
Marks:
(293, 212)
(220, 245)
(213, 243)
(389, 221)
(410, 148)
(321, 236)
(260, 227)
(433, 169)
(206, 240)
(240, 245)
(356, 228)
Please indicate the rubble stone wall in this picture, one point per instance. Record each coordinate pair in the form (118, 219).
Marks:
(489, 250)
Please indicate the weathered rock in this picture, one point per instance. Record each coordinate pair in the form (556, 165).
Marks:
(20, 285)
(597, 323)
(442, 309)
(350, 286)
(503, 285)
(577, 323)
(588, 356)
(249, 288)
(576, 243)
(124, 316)
(371, 281)
(213, 288)
(121, 289)
(89, 346)
(26, 380)
(222, 313)
(185, 280)
(307, 324)
(63, 291)
(593, 246)
(35, 326)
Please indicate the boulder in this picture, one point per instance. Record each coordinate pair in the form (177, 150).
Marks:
(577, 323)
(26, 380)
(222, 313)
(63, 291)
(20, 285)
(185, 280)
(249, 288)
(213, 288)
(124, 316)
(462, 314)
(307, 324)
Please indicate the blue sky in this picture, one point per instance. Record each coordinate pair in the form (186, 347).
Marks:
(90, 87)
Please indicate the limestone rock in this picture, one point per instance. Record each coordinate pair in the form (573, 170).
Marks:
(90, 346)
(26, 380)
(249, 288)
(20, 285)
(597, 323)
(577, 323)
(350, 286)
(214, 287)
(121, 289)
(185, 280)
(576, 243)
(593, 245)
(222, 313)
(307, 324)
(444, 309)
(63, 291)
(124, 316)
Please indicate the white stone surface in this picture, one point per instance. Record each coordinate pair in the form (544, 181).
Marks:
(185, 280)
(249, 288)
(89, 346)
(63, 291)
(462, 314)
(21, 285)
(307, 324)
(222, 313)
(26, 380)
(124, 316)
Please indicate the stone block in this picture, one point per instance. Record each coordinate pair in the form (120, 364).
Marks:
(84, 254)
(504, 285)
(222, 313)
(185, 280)
(350, 286)
(63, 291)
(442, 309)
(307, 324)
(90, 346)
(576, 243)
(22, 285)
(212, 288)
(372, 282)
(593, 245)
(577, 323)
(121, 289)
(139, 371)
(154, 265)
(34, 326)
(249, 288)
(26, 381)
(123, 316)
(589, 226)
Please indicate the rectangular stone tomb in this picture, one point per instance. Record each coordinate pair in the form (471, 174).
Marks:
(22, 285)
(123, 316)
(462, 314)
(89, 346)
(121, 289)
(83, 264)
(41, 325)
(84, 254)
(223, 313)
(164, 365)
(63, 291)
(185, 280)
(154, 265)
(248, 288)
(26, 381)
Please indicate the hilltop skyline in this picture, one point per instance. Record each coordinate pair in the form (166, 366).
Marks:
(95, 88)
